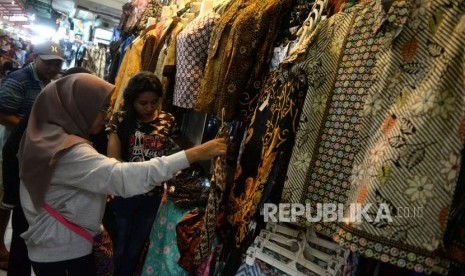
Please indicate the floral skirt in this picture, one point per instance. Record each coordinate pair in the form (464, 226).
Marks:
(163, 253)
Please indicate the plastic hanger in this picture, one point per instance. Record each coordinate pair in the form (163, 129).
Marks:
(266, 235)
(256, 252)
(336, 261)
(281, 266)
(187, 18)
(205, 7)
(317, 254)
(277, 228)
(314, 17)
(313, 238)
(195, 7)
(150, 22)
(310, 24)
(276, 236)
(266, 243)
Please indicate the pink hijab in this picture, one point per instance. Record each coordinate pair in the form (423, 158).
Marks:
(61, 117)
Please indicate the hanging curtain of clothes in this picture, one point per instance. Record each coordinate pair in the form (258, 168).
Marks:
(141, 55)
(390, 131)
(266, 153)
(319, 60)
(272, 127)
(240, 50)
(132, 62)
(374, 103)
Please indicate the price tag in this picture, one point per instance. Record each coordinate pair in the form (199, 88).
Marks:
(265, 103)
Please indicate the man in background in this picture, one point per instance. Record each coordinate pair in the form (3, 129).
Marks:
(17, 95)
(20, 88)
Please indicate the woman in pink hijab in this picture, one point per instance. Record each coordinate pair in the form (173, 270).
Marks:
(60, 169)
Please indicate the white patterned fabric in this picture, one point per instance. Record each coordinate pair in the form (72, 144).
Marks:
(94, 61)
(319, 60)
(389, 133)
(191, 57)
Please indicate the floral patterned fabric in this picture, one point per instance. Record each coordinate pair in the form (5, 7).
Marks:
(271, 130)
(391, 131)
(153, 9)
(163, 253)
(238, 57)
(139, 8)
(94, 60)
(149, 140)
(319, 59)
(128, 9)
(454, 241)
(410, 134)
(215, 201)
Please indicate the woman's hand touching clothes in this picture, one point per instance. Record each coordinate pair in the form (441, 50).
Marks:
(207, 150)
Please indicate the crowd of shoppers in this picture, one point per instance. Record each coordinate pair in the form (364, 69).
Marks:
(50, 156)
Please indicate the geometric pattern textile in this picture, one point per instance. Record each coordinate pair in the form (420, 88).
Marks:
(191, 57)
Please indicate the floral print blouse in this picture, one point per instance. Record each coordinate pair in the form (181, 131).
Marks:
(149, 140)
(391, 134)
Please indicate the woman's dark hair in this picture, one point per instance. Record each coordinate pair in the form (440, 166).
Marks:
(141, 82)
(7, 67)
(75, 70)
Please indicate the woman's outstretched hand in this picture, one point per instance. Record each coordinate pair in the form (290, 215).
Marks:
(207, 150)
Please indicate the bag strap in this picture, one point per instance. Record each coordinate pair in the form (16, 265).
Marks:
(71, 226)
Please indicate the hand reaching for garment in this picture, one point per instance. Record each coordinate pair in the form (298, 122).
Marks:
(207, 150)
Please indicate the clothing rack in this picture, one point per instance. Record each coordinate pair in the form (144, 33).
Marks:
(296, 246)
